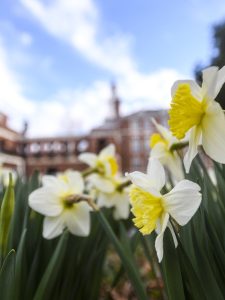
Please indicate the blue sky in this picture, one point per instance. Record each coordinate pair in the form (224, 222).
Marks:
(58, 57)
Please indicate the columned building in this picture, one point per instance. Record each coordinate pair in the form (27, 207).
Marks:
(10, 142)
(129, 133)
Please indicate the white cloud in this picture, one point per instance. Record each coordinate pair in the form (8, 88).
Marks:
(67, 112)
(79, 26)
(77, 110)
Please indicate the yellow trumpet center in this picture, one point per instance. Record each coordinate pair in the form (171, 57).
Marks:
(186, 111)
(147, 209)
(112, 163)
(157, 138)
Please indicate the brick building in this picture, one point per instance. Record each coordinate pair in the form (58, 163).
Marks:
(129, 133)
(10, 142)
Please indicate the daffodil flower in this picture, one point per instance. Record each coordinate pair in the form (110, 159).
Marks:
(160, 144)
(117, 198)
(195, 113)
(153, 211)
(53, 201)
(105, 162)
(105, 166)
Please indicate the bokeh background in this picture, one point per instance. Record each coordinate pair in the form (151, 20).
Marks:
(57, 58)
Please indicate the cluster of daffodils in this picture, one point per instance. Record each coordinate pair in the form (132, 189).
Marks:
(111, 189)
(196, 118)
(67, 199)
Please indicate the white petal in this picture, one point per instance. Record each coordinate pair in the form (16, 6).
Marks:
(156, 173)
(195, 88)
(209, 77)
(213, 133)
(52, 227)
(75, 181)
(173, 234)
(220, 80)
(186, 184)
(143, 181)
(159, 239)
(54, 183)
(78, 219)
(88, 158)
(195, 136)
(175, 166)
(107, 151)
(105, 200)
(159, 151)
(122, 207)
(102, 184)
(165, 133)
(183, 201)
(45, 201)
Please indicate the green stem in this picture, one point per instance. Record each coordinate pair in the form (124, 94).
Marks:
(123, 185)
(178, 146)
(128, 264)
(89, 171)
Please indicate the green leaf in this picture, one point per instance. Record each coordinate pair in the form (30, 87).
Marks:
(5, 218)
(7, 277)
(171, 269)
(49, 278)
(20, 269)
(129, 265)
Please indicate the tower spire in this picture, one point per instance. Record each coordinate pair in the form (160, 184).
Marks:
(114, 102)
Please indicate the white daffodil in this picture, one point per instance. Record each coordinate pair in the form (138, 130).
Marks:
(117, 198)
(105, 168)
(160, 144)
(105, 162)
(195, 112)
(53, 201)
(153, 211)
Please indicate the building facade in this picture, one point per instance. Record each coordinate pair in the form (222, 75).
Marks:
(130, 134)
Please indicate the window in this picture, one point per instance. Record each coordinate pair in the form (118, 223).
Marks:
(135, 145)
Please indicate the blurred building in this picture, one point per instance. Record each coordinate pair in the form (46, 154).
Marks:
(129, 133)
(10, 142)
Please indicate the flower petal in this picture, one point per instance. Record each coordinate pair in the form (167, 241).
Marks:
(105, 200)
(143, 181)
(156, 173)
(195, 136)
(220, 80)
(107, 151)
(183, 201)
(209, 77)
(173, 234)
(213, 133)
(175, 166)
(159, 151)
(75, 181)
(195, 88)
(122, 207)
(102, 184)
(52, 227)
(165, 133)
(78, 219)
(54, 183)
(159, 239)
(88, 158)
(45, 201)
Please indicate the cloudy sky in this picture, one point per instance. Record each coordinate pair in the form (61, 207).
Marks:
(57, 57)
